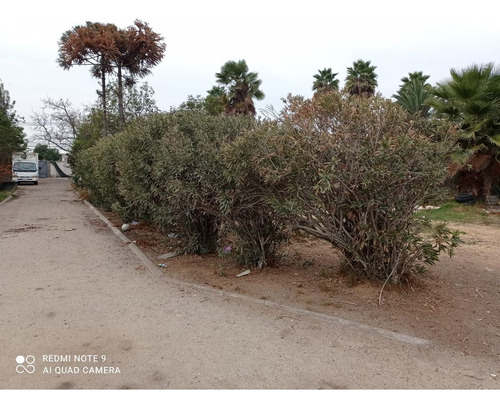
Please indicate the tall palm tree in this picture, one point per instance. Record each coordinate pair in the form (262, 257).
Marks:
(241, 87)
(361, 79)
(325, 81)
(471, 100)
(413, 92)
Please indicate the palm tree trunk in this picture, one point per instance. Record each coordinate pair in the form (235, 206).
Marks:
(121, 112)
(104, 109)
(487, 180)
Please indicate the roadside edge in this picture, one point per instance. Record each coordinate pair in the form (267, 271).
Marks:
(291, 309)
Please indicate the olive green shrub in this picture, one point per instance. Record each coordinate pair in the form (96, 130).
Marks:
(201, 163)
(345, 169)
(254, 205)
(353, 170)
(187, 175)
(97, 170)
(136, 148)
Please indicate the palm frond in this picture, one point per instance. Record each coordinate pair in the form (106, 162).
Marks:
(495, 139)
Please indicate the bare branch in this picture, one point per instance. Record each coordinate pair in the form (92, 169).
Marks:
(57, 123)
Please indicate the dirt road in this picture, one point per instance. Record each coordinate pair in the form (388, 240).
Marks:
(81, 310)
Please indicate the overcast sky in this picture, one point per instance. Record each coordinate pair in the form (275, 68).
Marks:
(286, 42)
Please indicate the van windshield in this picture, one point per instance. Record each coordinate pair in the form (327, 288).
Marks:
(24, 166)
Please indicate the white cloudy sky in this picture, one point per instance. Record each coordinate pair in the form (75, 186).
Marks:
(286, 42)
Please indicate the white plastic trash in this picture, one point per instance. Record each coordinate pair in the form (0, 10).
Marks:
(244, 273)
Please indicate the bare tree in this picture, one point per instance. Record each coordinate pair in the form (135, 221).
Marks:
(57, 123)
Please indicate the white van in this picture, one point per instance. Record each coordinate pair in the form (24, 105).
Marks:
(25, 167)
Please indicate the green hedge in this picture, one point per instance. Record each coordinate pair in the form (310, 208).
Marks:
(170, 170)
(345, 169)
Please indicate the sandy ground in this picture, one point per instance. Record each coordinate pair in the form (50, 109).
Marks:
(457, 304)
(87, 310)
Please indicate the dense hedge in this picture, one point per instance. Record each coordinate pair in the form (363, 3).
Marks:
(96, 169)
(169, 169)
(347, 170)
(353, 171)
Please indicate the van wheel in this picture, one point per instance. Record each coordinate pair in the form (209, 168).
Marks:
(36, 183)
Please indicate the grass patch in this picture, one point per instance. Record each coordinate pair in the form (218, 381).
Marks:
(461, 214)
(6, 190)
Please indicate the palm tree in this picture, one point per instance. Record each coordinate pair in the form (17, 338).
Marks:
(471, 100)
(241, 87)
(413, 92)
(361, 79)
(418, 75)
(325, 81)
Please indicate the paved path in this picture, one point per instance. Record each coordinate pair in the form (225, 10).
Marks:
(70, 290)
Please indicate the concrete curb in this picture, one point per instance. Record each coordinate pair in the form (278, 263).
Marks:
(134, 248)
(416, 341)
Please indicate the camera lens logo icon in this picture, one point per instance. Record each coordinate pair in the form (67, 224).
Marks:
(25, 364)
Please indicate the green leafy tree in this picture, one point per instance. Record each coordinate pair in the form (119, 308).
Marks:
(241, 87)
(138, 102)
(192, 103)
(471, 100)
(12, 138)
(214, 103)
(216, 100)
(89, 132)
(413, 93)
(325, 81)
(47, 153)
(361, 79)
